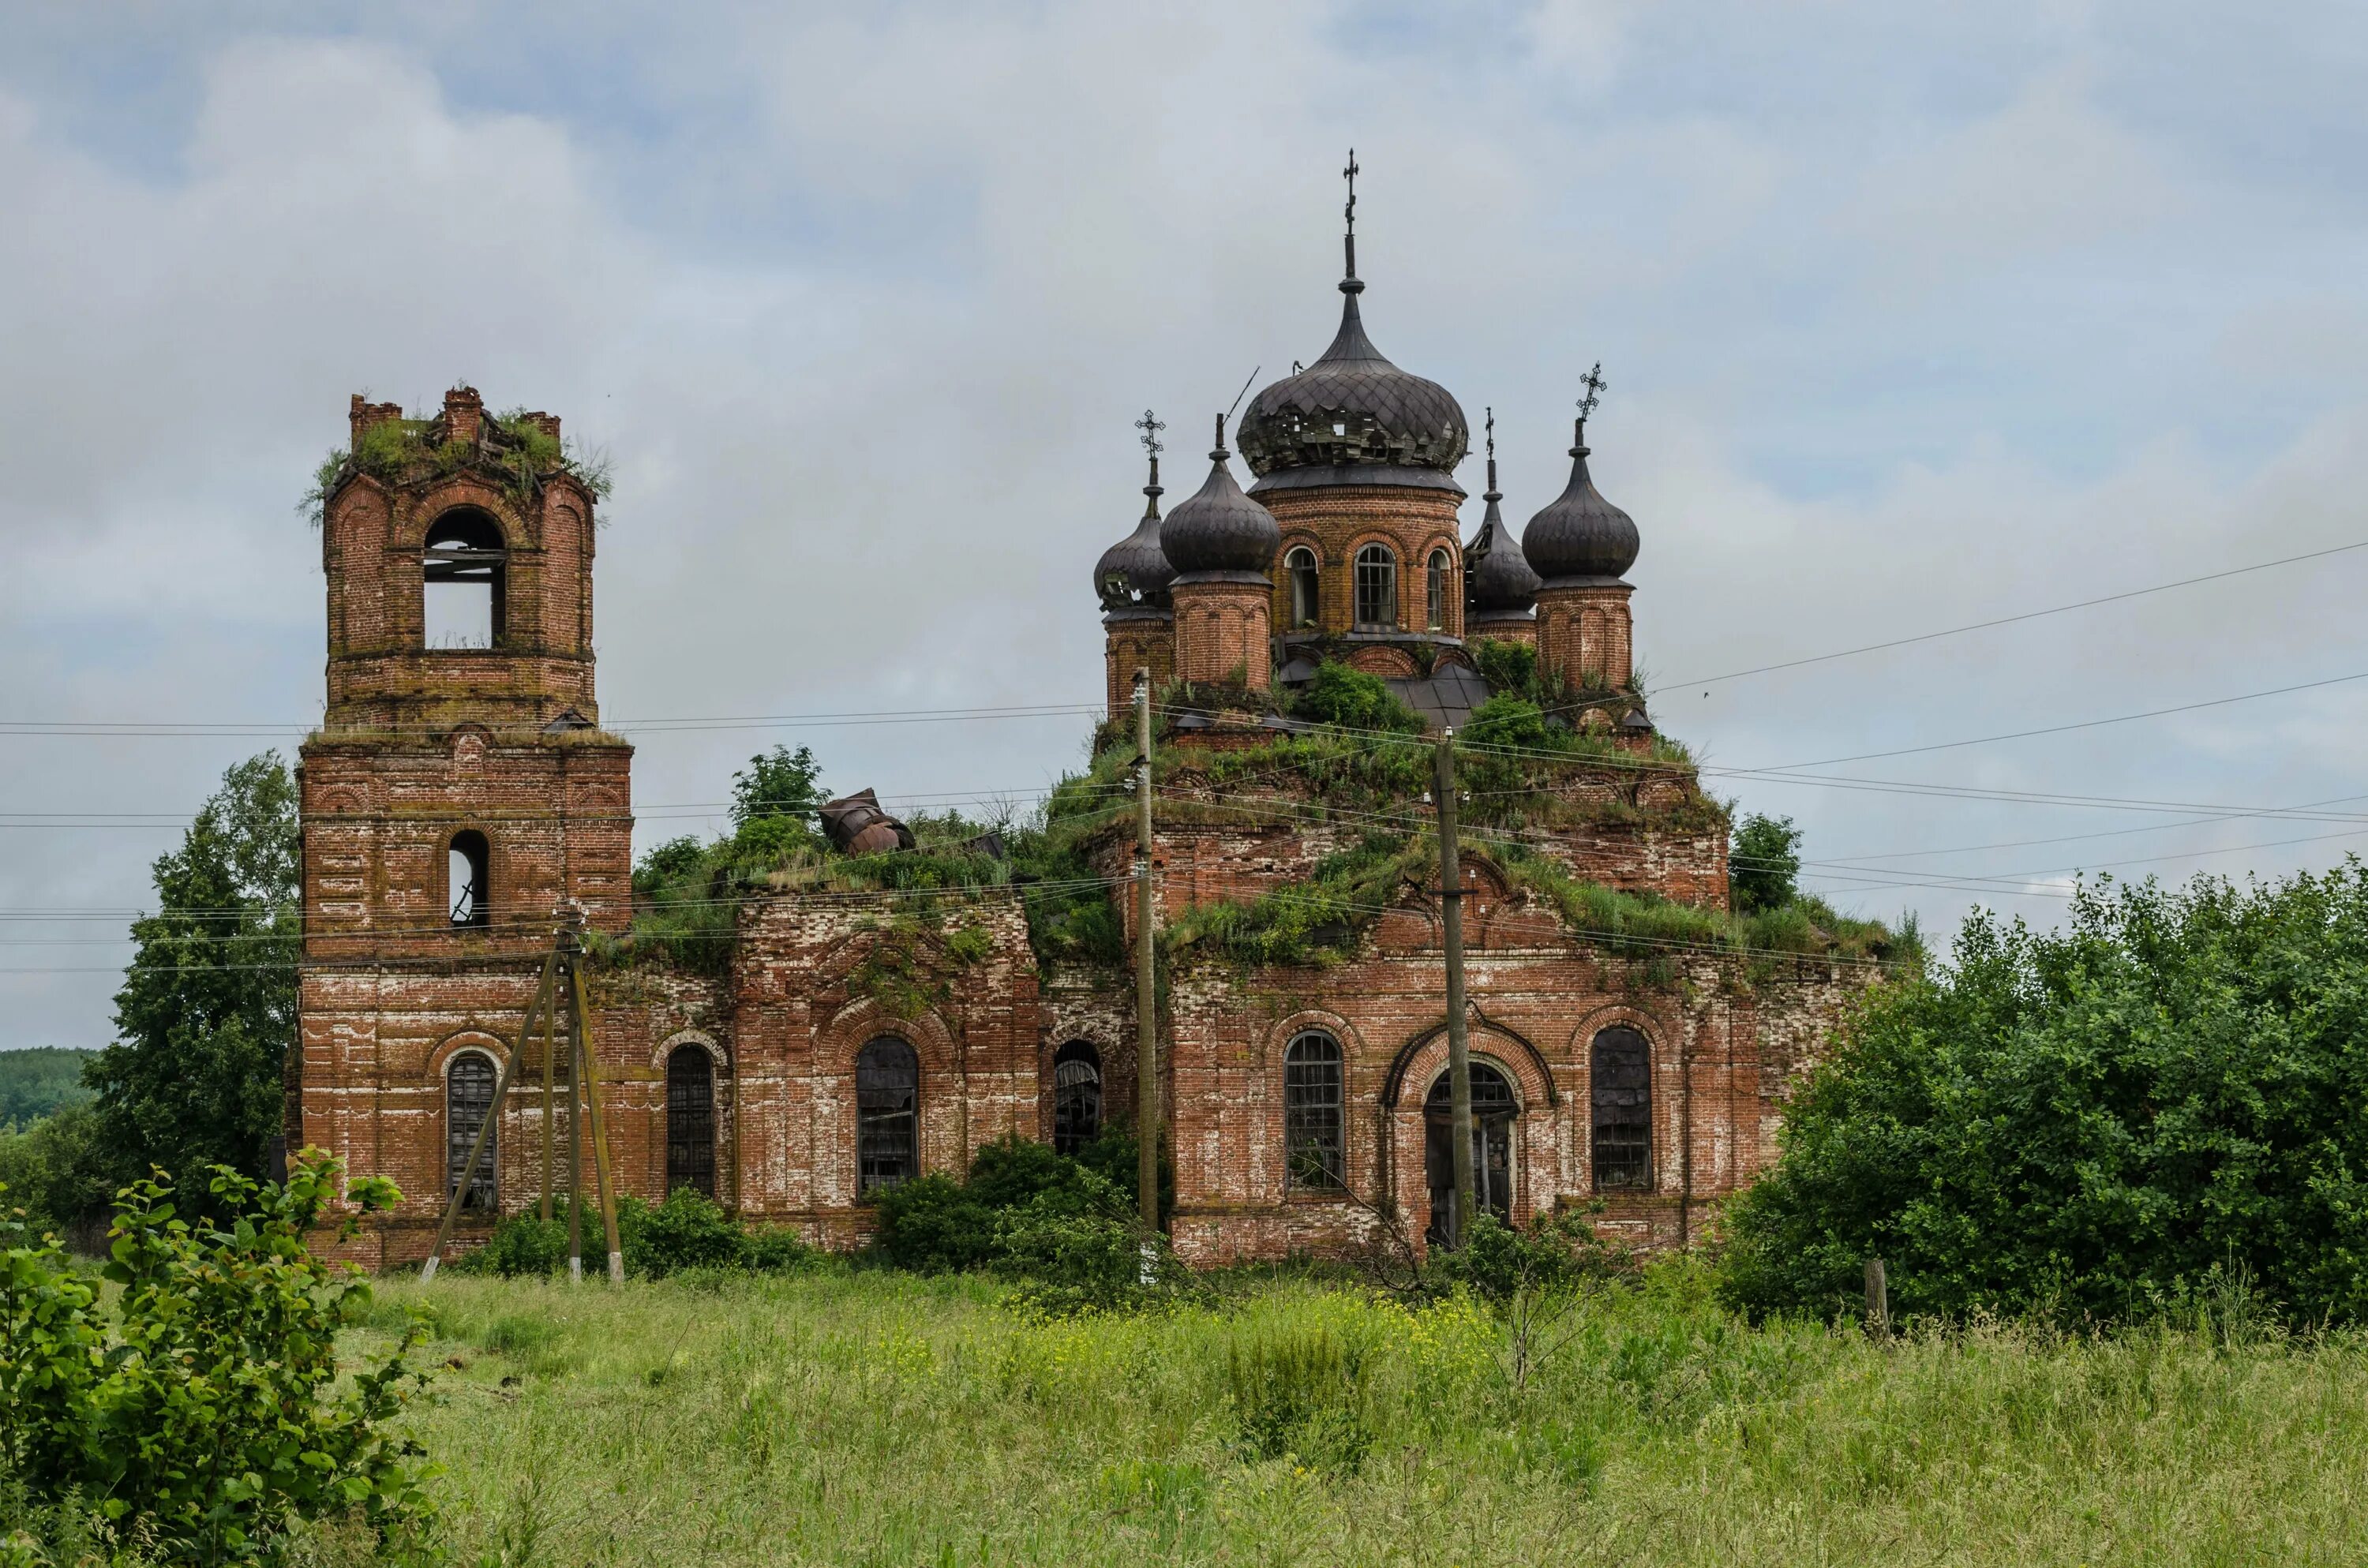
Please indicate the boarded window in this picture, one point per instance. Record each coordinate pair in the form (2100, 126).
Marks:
(1622, 1085)
(1493, 1110)
(1436, 590)
(468, 866)
(1077, 1097)
(690, 1120)
(468, 1100)
(887, 1116)
(1377, 589)
(1300, 567)
(1313, 1113)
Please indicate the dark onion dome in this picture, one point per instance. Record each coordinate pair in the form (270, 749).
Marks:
(1218, 530)
(1352, 417)
(1134, 573)
(1580, 536)
(1496, 575)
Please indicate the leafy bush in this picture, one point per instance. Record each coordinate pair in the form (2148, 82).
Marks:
(780, 784)
(1028, 1213)
(1764, 864)
(689, 1231)
(1355, 700)
(931, 1225)
(57, 1168)
(198, 1414)
(2161, 1096)
(1497, 1262)
(1515, 723)
(1506, 665)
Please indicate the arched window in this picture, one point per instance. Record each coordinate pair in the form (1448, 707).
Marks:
(887, 1116)
(1493, 1110)
(1436, 589)
(691, 1120)
(468, 1100)
(1077, 1097)
(1313, 1113)
(468, 867)
(462, 571)
(1299, 566)
(1621, 1084)
(1377, 589)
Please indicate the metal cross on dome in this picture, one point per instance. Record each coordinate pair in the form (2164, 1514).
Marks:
(1349, 174)
(1492, 435)
(1151, 427)
(1594, 383)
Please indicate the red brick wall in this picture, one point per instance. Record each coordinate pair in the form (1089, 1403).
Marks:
(1337, 521)
(1221, 633)
(1585, 633)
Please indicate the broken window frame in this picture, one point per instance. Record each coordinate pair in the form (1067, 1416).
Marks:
(1377, 588)
(887, 1116)
(1314, 1113)
(1620, 1124)
(469, 1080)
(1495, 1107)
(1435, 586)
(1077, 1097)
(1300, 569)
(469, 904)
(691, 1120)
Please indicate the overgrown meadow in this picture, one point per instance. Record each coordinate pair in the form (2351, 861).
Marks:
(861, 1417)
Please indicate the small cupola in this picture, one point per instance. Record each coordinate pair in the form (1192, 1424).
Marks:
(1499, 583)
(1218, 529)
(1134, 573)
(1579, 537)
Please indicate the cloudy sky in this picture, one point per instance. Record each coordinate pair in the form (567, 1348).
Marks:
(1913, 317)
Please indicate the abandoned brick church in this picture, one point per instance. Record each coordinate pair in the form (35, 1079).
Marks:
(1632, 1039)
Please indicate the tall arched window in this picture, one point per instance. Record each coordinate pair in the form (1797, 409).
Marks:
(1620, 1080)
(468, 879)
(1299, 566)
(1077, 1097)
(468, 1100)
(1435, 588)
(1313, 1112)
(463, 567)
(887, 1116)
(691, 1120)
(1493, 1110)
(1377, 589)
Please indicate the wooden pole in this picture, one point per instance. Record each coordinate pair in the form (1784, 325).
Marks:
(1146, 991)
(585, 1066)
(550, 1094)
(1459, 1040)
(1878, 1300)
(543, 999)
(575, 1119)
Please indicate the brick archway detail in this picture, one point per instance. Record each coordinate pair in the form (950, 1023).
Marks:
(458, 1040)
(1658, 1031)
(715, 1052)
(1529, 1066)
(860, 1022)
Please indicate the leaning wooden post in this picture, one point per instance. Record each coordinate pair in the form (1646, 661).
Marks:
(550, 1092)
(1146, 991)
(1458, 1038)
(543, 999)
(1878, 1300)
(584, 1064)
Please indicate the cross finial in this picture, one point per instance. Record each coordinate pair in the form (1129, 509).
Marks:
(1492, 435)
(1594, 383)
(1349, 174)
(1151, 427)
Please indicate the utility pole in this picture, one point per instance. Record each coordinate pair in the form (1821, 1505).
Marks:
(1459, 1040)
(1146, 997)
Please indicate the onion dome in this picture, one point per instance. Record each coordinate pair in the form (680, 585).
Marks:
(1218, 531)
(1580, 536)
(1352, 417)
(1133, 572)
(1496, 575)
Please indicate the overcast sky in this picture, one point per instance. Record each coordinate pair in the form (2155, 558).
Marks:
(1912, 316)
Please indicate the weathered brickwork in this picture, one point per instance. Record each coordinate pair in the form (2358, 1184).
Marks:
(1583, 631)
(421, 744)
(1337, 521)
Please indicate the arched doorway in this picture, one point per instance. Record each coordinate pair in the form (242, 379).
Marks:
(1493, 1110)
(1077, 1097)
(690, 1120)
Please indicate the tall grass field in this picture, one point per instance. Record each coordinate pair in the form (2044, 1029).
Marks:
(832, 1416)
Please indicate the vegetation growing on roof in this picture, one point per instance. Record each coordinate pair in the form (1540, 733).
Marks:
(514, 449)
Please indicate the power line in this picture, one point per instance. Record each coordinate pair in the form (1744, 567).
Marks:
(2027, 615)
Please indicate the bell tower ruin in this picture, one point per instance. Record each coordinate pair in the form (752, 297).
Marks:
(459, 794)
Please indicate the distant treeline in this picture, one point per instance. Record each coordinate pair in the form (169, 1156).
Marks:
(35, 1082)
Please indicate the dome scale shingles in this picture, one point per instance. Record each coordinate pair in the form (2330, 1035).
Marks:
(1218, 529)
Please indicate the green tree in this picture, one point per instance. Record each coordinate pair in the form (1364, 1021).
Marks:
(38, 1080)
(2165, 1099)
(777, 783)
(207, 1007)
(1355, 700)
(1764, 864)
